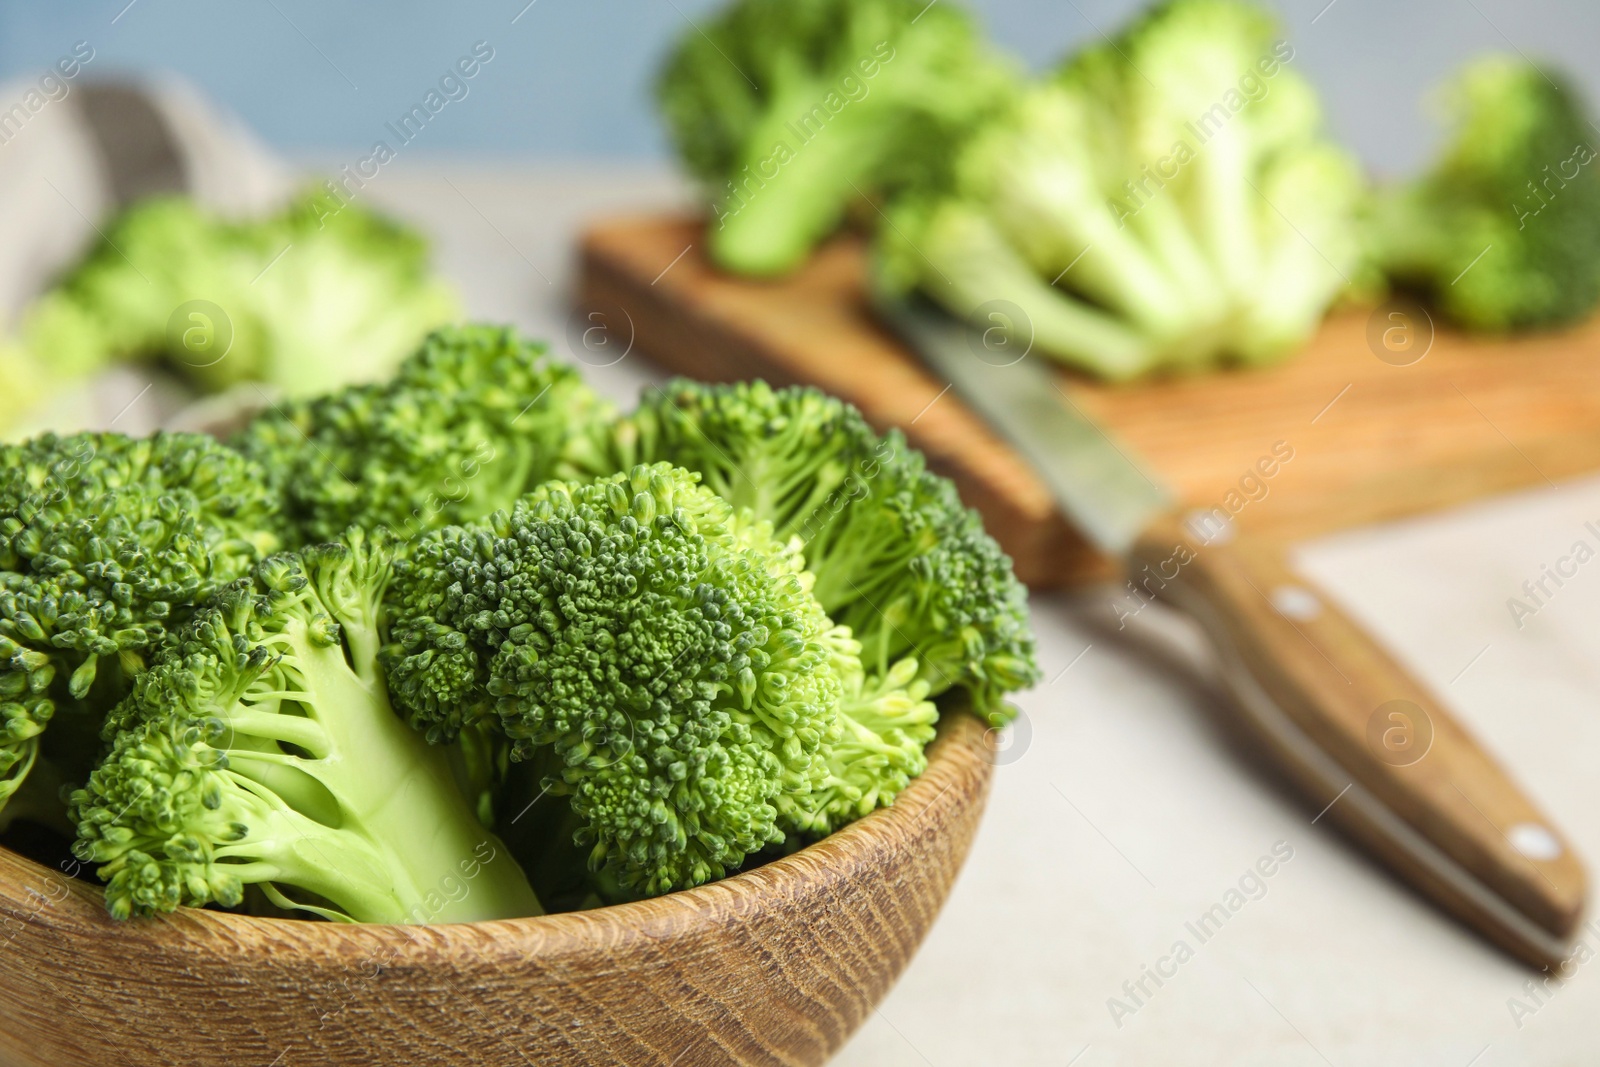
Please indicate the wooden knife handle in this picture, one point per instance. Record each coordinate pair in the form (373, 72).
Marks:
(1355, 731)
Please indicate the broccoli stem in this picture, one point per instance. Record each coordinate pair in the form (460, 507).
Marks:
(1160, 221)
(408, 828)
(1054, 203)
(774, 486)
(16, 763)
(357, 875)
(972, 263)
(35, 795)
(854, 566)
(1295, 288)
(1225, 209)
(504, 477)
(792, 192)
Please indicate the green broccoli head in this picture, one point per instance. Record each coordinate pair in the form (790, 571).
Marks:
(779, 452)
(913, 574)
(897, 558)
(105, 543)
(470, 422)
(1167, 200)
(790, 110)
(260, 749)
(885, 723)
(308, 300)
(661, 650)
(1504, 232)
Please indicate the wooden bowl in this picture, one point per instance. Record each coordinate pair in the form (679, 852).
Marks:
(778, 965)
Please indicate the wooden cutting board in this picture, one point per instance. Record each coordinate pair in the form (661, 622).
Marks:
(1366, 439)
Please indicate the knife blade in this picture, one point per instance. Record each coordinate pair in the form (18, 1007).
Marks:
(1357, 733)
(1099, 483)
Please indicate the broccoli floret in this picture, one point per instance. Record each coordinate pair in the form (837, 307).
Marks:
(310, 300)
(481, 758)
(1165, 201)
(105, 543)
(790, 110)
(260, 749)
(885, 723)
(1504, 232)
(471, 421)
(664, 650)
(897, 558)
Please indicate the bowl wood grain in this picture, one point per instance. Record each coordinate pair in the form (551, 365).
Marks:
(778, 965)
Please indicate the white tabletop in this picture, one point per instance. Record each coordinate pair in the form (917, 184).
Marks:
(1124, 815)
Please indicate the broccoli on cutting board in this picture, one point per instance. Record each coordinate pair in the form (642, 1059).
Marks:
(789, 111)
(1166, 201)
(1503, 232)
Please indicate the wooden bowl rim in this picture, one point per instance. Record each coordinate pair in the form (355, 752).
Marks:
(961, 753)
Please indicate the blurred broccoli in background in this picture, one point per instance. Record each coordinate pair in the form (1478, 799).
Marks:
(790, 110)
(1166, 201)
(1503, 232)
(305, 301)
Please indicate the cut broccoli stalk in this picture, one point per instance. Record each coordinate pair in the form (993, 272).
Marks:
(261, 749)
(1309, 254)
(974, 262)
(766, 227)
(1037, 174)
(1209, 74)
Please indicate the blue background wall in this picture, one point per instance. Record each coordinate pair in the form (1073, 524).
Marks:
(571, 79)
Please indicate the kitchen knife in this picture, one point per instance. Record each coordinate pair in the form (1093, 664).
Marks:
(1366, 742)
